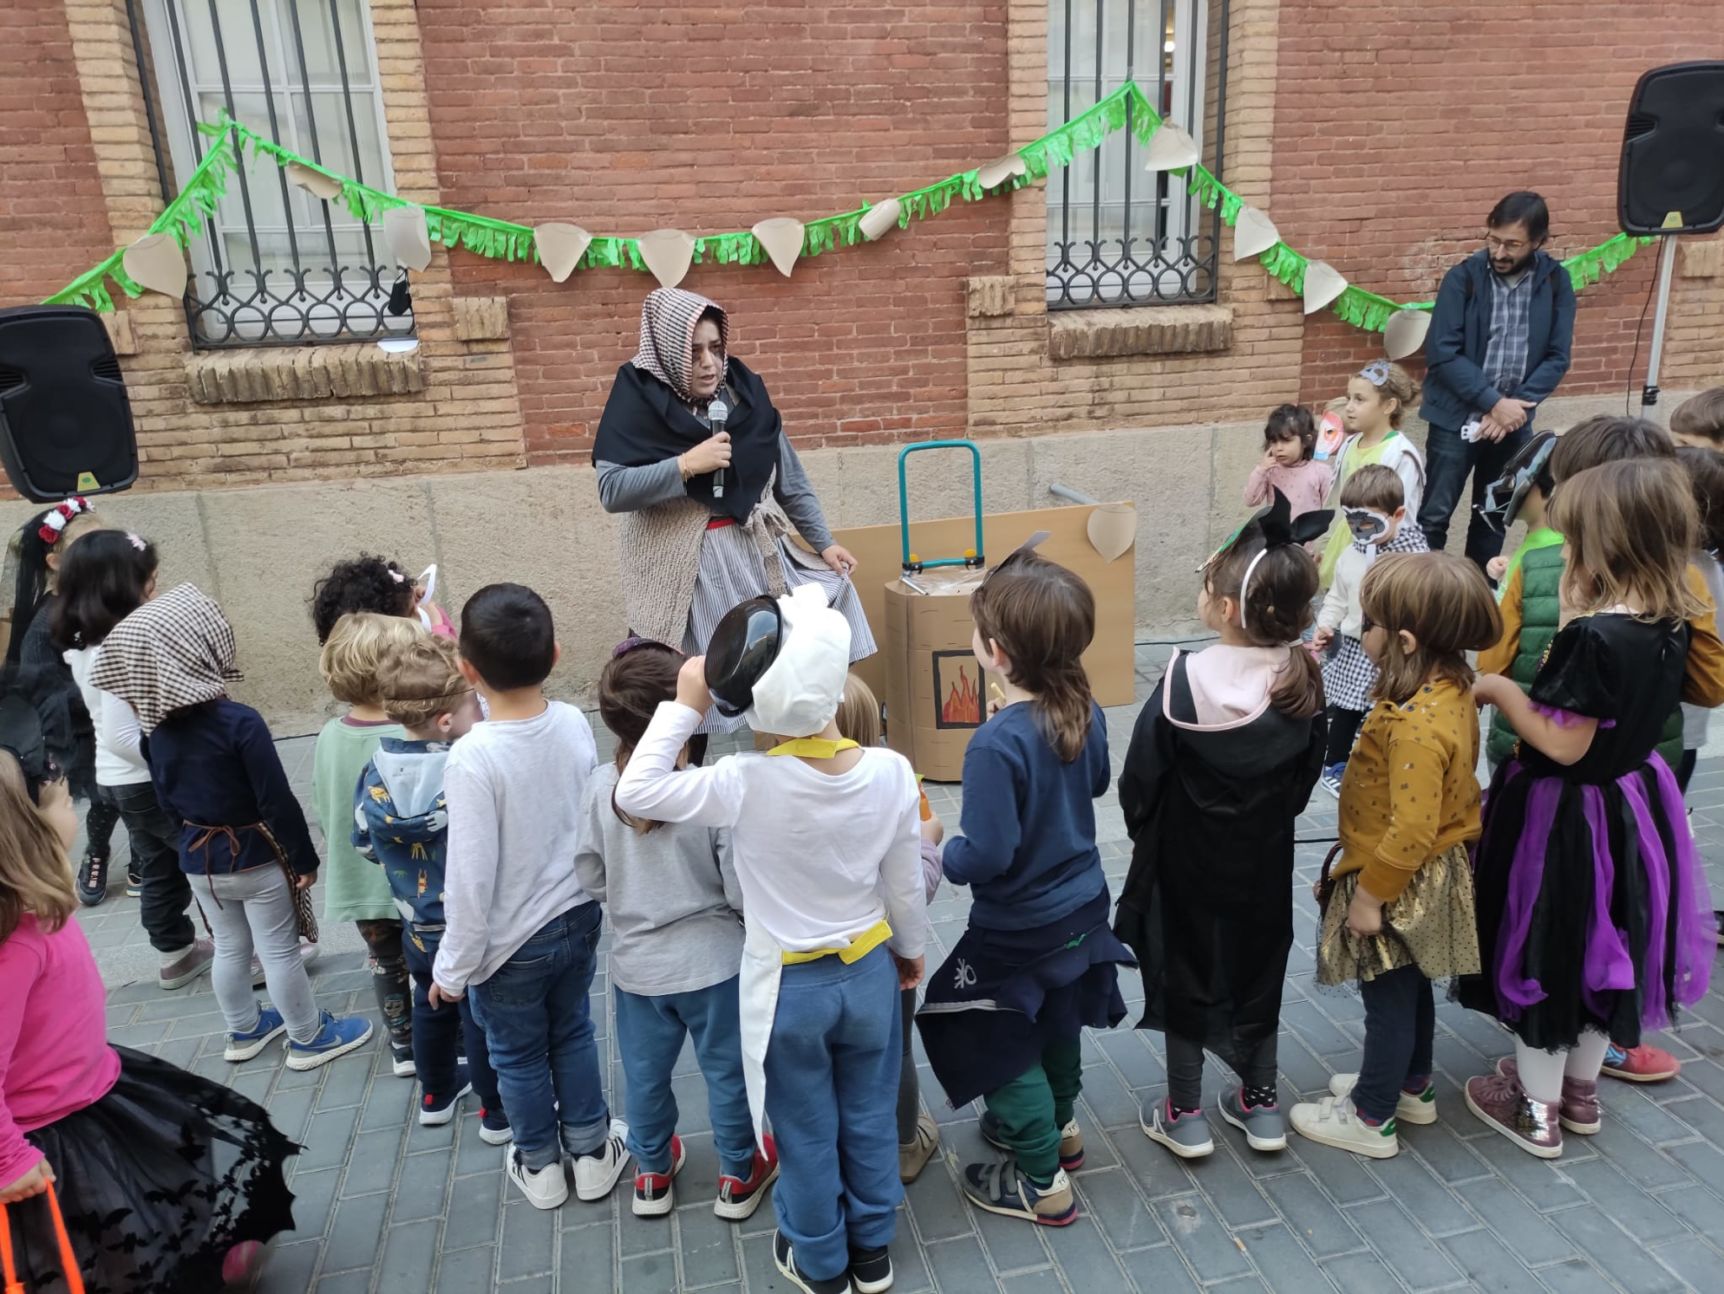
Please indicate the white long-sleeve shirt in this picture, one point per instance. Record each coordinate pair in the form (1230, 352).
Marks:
(822, 857)
(119, 742)
(514, 789)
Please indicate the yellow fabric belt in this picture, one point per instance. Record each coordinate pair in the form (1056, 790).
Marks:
(860, 947)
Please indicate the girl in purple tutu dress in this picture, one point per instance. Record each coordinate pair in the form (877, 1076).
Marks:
(1592, 907)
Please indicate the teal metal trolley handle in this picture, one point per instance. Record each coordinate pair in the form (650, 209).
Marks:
(975, 560)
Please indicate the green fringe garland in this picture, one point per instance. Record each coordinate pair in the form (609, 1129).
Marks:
(506, 241)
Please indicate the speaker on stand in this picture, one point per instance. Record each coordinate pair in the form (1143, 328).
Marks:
(1671, 178)
(65, 421)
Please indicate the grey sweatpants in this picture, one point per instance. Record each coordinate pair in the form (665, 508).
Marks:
(254, 909)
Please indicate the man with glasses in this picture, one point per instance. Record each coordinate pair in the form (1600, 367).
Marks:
(1498, 345)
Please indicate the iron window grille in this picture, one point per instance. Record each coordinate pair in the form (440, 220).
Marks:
(1117, 234)
(274, 266)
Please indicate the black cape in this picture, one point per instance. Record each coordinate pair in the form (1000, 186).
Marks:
(644, 422)
(1208, 903)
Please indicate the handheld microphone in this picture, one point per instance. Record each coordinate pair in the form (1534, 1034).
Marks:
(719, 413)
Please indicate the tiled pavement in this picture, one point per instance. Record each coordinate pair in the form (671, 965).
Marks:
(386, 1206)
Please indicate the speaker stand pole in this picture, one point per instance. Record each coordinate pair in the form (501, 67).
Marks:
(1666, 267)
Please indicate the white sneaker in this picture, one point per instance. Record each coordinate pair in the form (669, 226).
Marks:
(1334, 1122)
(597, 1174)
(545, 1188)
(1420, 1109)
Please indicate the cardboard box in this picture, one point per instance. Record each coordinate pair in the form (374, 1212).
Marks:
(936, 692)
(910, 632)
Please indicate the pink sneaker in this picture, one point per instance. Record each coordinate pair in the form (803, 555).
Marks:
(1579, 1100)
(1532, 1125)
(1642, 1064)
(239, 1263)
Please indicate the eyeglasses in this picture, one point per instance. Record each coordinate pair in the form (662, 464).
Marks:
(1508, 247)
(1366, 624)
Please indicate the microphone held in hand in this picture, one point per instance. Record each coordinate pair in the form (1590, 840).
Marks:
(718, 412)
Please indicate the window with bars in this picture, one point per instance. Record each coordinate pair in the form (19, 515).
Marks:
(1117, 234)
(275, 265)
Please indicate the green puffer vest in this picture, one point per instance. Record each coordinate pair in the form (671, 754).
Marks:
(1541, 613)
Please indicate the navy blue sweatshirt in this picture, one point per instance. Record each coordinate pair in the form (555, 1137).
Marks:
(1028, 850)
(214, 765)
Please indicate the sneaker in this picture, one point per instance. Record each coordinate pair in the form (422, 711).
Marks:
(93, 879)
(1071, 1141)
(240, 1263)
(738, 1199)
(913, 1156)
(545, 1188)
(1186, 1134)
(1412, 1107)
(784, 1257)
(135, 890)
(1263, 1125)
(438, 1108)
(187, 966)
(335, 1037)
(1642, 1064)
(1333, 1121)
(655, 1193)
(871, 1270)
(401, 1060)
(1578, 1111)
(1331, 779)
(494, 1129)
(1000, 1188)
(598, 1172)
(1501, 1103)
(243, 1046)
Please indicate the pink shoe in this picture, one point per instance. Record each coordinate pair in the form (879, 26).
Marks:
(1642, 1064)
(241, 1262)
(1532, 1125)
(1579, 1100)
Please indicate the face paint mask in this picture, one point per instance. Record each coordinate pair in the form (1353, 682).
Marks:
(1368, 525)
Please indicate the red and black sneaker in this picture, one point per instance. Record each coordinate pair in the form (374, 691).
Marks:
(737, 1198)
(655, 1193)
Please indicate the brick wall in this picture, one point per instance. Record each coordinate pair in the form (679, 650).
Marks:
(52, 221)
(625, 117)
(1399, 125)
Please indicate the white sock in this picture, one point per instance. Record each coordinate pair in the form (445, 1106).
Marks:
(1540, 1071)
(1587, 1057)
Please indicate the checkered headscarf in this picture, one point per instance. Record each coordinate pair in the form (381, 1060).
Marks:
(174, 651)
(668, 317)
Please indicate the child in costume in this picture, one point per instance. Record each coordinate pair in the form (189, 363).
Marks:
(355, 889)
(401, 821)
(1521, 493)
(41, 545)
(518, 929)
(1592, 911)
(1222, 761)
(825, 841)
(1398, 906)
(243, 840)
(1373, 507)
(1289, 464)
(166, 1180)
(1378, 398)
(105, 576)
(370, 583)
(675, 908)
(1004, 1015)
(1705, 468)
(918, 1134)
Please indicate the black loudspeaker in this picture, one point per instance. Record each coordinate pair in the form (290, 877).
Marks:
(65, 421)
(1672, 176)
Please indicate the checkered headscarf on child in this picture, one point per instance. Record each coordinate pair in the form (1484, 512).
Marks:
(172, 652)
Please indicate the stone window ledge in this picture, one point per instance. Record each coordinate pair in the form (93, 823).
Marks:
(1150, 330)
(301, 373)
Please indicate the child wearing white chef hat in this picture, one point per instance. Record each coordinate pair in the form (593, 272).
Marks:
(827, 848)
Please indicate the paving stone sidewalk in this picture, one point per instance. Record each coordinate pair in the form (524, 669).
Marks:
(388, 1207)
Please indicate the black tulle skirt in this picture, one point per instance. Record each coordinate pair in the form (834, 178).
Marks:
(157, 1181)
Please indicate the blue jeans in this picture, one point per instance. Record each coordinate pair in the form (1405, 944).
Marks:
(1400, 1025)
(539, 1025)
(441, 1034)
(832, 1095)
(1448, 460)
(649, 1036)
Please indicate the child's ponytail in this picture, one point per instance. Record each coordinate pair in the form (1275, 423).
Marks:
(1274, 612)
